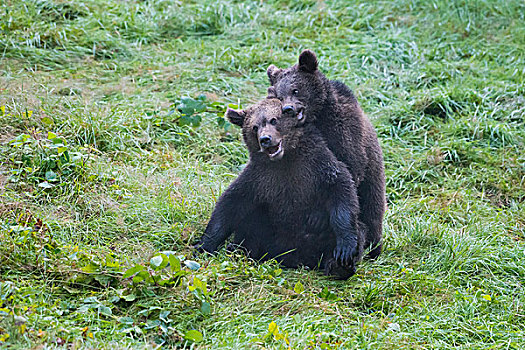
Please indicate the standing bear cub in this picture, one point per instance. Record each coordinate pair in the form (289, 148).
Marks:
(335, 112)
(294, 201)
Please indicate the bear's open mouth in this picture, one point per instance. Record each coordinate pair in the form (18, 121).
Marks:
(300, 115)
(274, 151)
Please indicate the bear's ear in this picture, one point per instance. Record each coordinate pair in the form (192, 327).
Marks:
(307, 61)
(273, 73)
(235, 117)
(271, 92)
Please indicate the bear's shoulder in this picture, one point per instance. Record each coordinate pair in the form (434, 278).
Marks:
(342, 91)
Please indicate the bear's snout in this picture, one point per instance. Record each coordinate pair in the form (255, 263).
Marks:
(288, 109)
(265, 141)
(293, 111)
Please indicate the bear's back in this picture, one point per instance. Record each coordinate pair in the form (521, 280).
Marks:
(343, 91)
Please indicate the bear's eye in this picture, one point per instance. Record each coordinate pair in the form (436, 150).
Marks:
(255, 128)
(273, 121)
(295, 92)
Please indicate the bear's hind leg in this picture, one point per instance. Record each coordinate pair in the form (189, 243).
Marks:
(372, 209)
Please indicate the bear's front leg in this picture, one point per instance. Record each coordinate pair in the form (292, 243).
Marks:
(344, 210)
(231, 208)
(216, 233)
(344, 224)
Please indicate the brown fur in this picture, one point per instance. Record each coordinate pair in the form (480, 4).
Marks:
(334, 110)
(294, 201)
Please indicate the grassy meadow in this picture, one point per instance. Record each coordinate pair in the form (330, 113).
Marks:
(114, 150)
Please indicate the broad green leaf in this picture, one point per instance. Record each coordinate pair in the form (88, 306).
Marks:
(165, 261)
(327, 294)
(189, 106)
(45, 185)
(221, 122)
(193, 120)
(84, 308)
(298, 288)
(90, 268)
(197, 283)
(206, 308)
(91, 300)
(168, 252)
(51, 176)
(47, 121)
(137, 279)
(58, 141)
(104, 280)
(129, 297)
(194, 336)
(142, 276)
(131, 271)
(51, 135)
(155, 262)
(104, 310)
(126, 320)
(174, 263)
(192, 265)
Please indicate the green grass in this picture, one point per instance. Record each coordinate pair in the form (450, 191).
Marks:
(99, 173)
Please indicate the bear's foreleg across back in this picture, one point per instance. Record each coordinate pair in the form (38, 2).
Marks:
(234, 204)
(344, 212)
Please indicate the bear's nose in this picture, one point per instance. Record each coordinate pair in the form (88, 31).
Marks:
(265, 140)
(288, 109)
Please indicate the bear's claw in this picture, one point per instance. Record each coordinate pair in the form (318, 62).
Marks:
(345, 255)
(340, 272)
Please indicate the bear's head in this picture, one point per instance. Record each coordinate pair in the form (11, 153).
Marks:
(302, 88)
(268, 133)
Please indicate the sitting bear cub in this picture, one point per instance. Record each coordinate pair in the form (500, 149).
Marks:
(294, 201)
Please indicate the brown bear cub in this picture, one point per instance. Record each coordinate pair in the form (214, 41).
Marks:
(294, 201)
(333, 109)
